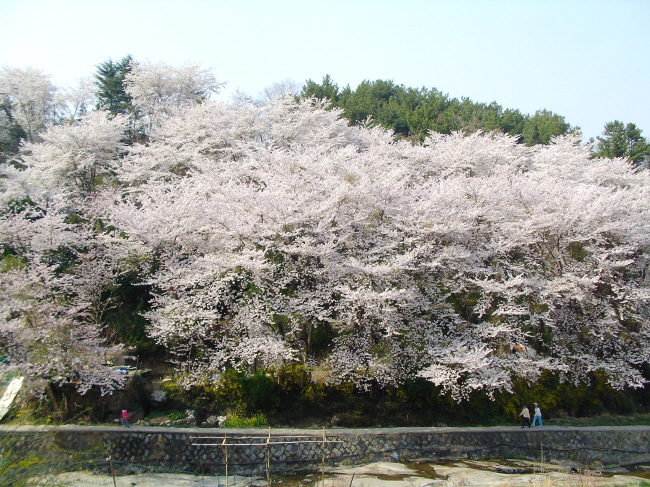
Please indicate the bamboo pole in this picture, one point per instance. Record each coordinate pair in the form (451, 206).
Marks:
(323, 460)
(225, 448)
(231, 441)
(320, 442)
(268, 458)
(248, 437)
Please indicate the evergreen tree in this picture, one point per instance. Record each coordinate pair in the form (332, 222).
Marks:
(543, 126)
(111, 92)
(415, 112)
(512, 122)
(326, 90)
(10, 133)
(620, 140)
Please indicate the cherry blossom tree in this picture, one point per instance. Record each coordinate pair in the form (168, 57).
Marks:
(75, 157)
(157, 89)
(468, 260)
(50, 307)
(30, 95)
(74, 102)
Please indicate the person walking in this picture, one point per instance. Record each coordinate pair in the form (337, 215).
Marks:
(537, 415)
(525, 416)
(125, 418)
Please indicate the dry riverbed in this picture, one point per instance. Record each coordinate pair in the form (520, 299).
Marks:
(468, 473)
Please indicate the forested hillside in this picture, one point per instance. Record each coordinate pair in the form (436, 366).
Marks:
(232, 238)
(414, 112)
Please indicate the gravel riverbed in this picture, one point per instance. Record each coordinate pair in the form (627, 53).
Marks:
(489, 473)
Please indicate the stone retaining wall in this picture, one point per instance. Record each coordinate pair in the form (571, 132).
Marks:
(181, 449)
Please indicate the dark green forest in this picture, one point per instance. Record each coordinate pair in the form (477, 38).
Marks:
(414, 112)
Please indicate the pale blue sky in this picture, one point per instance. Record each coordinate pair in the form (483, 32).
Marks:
(588, 60)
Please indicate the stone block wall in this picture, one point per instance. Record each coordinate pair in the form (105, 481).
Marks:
(202, 450)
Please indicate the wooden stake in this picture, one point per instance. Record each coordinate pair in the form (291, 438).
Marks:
(110, 462)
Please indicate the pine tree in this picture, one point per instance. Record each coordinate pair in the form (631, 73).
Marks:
(111, 92)
(621, 140)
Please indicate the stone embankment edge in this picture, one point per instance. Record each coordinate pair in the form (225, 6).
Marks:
(178, 449)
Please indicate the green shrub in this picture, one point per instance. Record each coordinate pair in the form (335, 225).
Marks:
(233, 390)
(288, 395)
(235, 420)
(17, 472)
(155, 414)
(177, 415)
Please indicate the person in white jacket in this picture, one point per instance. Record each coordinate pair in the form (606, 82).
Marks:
(537, 416)
(525, 417)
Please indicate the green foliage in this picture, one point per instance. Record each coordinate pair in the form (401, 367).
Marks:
(155, 414)
(257, 389)
(289, 396)
(559, 398)
(413, 112)
(177, 415)
(33, 459)
(18, 471)
(112, 96)
(111, 92)
(16, 206)
(61, 259)
(577, 251)
(124, 322)
(620, 140)
(236, 420)
(541, 127)
(10, 145)
(11, 261)
(233, 390)
(327, 90)
(464, 303)
(13, 133)
(21, 468)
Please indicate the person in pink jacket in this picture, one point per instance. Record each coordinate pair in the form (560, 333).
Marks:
(125, 418)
